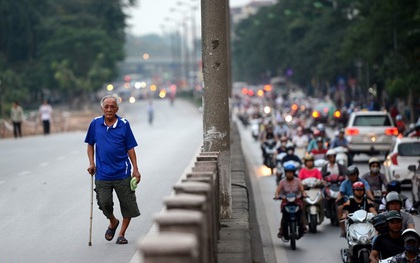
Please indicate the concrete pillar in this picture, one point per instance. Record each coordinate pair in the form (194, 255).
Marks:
(170, 247)
(216, 117)
(184, 221)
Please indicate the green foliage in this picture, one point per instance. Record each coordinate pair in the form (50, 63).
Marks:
(322, 40)
(62, 47)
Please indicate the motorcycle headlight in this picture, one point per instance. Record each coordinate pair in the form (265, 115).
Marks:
(291, 199)
(334, 194)
(364, 240)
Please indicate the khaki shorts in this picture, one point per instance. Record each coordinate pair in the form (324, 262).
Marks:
(126, 197)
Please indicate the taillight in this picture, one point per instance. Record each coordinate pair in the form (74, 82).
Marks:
(391, 131)
(315, 114)
(337, 114)
(394, 159)
(352, 131)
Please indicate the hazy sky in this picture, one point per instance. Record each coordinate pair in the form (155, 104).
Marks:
(149, 15)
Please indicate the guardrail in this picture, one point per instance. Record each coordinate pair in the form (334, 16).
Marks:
(189, 227)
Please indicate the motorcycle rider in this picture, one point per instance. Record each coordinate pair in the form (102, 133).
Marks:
(394, 203)
(346, 189)
(391, 243)
(380, 225)
(374, 177)
(411, 246)
(395, 185)
(340, 140)
(320, 151)
(313, 142)
(290, 184)
(309, 170)
(300, 139)
(267, 134)
(290, 154)
(332, 167)
(356, 202)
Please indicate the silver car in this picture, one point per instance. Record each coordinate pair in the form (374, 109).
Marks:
(370, 132)
(404, 152)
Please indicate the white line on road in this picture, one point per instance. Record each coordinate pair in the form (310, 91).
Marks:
(44, 164)
(24, 173)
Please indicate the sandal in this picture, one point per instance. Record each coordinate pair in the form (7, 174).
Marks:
(121, 241)
(110, 232)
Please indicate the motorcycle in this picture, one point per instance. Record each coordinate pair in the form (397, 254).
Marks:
(292, 219)
(360, 233)
(319, 163)
(255, 128)
(341, 156)
(415, 183)
(270, 147)
(314, 203)
(331, 191)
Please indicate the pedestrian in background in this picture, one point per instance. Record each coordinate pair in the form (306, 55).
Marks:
(16, 114)
(115, 142)
(45, 112)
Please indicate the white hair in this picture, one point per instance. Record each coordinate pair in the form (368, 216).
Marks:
(113, 96)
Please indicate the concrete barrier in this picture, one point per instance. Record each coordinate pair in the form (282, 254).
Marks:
(184, 221)
(170, 247)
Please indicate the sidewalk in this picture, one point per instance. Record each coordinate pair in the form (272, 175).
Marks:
(236, 244)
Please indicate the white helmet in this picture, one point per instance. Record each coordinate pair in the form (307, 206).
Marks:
(331, 152)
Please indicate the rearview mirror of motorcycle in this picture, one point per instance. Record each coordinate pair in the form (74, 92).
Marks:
(412, 168)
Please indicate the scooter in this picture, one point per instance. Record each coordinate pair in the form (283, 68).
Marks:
(279, 167)
(360, 233)
(415, 183)
(255, 128)
(341, 156)
(314, 203)
(331, 191)
(270, 147)
(292, 219)
(319, 163)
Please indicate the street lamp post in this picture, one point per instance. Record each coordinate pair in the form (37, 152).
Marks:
(177, 46)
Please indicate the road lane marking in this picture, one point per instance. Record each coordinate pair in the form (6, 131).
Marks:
(44, 164)
(24, 173)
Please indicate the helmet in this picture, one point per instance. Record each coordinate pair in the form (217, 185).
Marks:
(342, 130)
(289, 168)
(308, 157)
(410, 233)
(393, 215)
(398, 117)
(320, 127)
(331, 152)
(319, 139)
(393, 196)
(378, 220)
(374, 160)
(393, 186)
(352, 169)
(317, 133)
(358, 186)
(290, 146)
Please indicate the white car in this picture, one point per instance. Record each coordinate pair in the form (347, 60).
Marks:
(404, 152)
(370, 132)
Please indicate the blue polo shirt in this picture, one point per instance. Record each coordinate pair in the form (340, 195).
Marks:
(112, 145)
(346, 188)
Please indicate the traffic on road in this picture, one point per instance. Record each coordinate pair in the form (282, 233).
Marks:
(324, 168)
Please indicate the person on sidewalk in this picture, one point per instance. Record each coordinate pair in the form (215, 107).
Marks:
(16, 114)
(45, 112)
(115, 144)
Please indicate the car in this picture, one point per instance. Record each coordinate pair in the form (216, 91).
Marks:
(404, 152)
(322, 111)
(370, 132)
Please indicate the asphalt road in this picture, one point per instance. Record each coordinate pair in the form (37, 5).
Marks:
(45, 188)
(323, 246)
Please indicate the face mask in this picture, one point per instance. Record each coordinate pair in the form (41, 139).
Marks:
(374, 170)
(289, 152)
(283, 144)
(411, 248)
